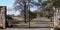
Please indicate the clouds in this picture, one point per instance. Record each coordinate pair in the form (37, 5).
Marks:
(11, 11)
(9, 4)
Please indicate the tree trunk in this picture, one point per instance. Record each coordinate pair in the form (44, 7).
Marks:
(25, 12)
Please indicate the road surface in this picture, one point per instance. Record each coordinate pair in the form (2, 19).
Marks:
(27, 29)
(42, 24)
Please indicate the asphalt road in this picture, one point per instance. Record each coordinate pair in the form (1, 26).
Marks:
(42, 24)
(39, 24)
(27, 29)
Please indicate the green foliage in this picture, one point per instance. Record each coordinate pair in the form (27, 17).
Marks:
(8, 17)
(44, 3)
(47, 13)
(31, 14)
(56, 28)
(56, 3)
(47, 10)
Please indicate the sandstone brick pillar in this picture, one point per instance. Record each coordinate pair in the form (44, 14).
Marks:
(56, 18)
(2, 13)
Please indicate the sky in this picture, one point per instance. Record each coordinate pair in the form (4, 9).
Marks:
(9, 4)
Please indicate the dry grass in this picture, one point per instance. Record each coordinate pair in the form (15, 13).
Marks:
(51, 24)
(22, 23)
(45, 19)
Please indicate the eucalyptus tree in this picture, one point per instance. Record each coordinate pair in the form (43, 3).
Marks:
(26, 5)
(47, 8)
(39, 5)
(23, 5)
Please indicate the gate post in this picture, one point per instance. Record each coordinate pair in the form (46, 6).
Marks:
(2, 12)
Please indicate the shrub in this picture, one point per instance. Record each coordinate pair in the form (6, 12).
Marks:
(56, 28)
